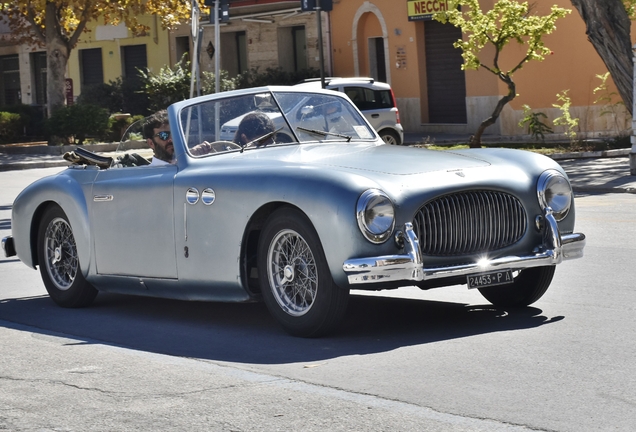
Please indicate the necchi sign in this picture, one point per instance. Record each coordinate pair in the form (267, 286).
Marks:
(424, 9)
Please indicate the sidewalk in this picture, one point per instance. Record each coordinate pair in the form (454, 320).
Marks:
(589, 172)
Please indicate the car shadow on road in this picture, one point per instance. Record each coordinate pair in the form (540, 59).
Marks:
(246, 333)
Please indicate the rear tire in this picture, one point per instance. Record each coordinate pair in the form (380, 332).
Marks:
(294, 276)
(528, 287)
(59, 262)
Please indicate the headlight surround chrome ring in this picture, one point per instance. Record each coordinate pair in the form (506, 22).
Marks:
(554, 191)
(376, 215)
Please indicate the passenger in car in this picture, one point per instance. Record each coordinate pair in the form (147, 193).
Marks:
(156, 130)
(253, 125)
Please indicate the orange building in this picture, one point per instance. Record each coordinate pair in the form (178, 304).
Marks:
(396, 42)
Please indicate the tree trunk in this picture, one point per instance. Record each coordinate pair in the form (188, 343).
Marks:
(57, 53)
(608, 29)
(475, 140)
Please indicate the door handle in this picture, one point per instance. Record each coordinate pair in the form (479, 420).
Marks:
(375, 115)
(102, 198)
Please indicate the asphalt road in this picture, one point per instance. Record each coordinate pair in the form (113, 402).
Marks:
(405, 360)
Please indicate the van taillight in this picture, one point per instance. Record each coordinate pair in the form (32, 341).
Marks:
(397, 111)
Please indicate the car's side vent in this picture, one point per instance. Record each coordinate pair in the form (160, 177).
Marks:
(469, 222)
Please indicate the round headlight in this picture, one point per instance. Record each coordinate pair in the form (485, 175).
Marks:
(376, 215)
(554, 191)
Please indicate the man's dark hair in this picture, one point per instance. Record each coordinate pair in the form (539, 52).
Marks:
(154, 121)
(254, 125)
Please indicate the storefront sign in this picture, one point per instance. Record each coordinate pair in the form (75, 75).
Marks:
(68, 90)
(424, 9)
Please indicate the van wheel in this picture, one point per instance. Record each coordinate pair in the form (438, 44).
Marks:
(390, 137)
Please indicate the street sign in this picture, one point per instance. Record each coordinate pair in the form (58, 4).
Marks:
(310, 5)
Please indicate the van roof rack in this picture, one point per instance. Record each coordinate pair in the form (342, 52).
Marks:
(329, 79)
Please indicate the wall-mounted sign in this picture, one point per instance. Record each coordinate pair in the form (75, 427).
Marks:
(400, 57)
(424, 9)
(68, 91)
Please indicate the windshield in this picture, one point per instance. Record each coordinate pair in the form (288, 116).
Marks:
(258, 120)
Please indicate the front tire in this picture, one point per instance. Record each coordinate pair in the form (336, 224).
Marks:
(294, 276)
(528, 287)
(59, 262)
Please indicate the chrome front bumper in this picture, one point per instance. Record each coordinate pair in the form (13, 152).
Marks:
(554, 250)
(8, 247)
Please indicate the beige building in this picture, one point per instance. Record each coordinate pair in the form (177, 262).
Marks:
(394, 41)
(390, 40)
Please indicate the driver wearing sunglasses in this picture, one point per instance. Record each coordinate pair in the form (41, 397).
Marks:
(157, 133)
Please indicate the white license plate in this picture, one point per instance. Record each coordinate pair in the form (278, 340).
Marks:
(488, 279)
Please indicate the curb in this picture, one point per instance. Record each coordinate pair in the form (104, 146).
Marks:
(591, 155)
(32, 165)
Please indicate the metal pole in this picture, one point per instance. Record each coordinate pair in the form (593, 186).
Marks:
(217, 70)
(320, 53)
(195, 39)
(632, 153)
(217, 42)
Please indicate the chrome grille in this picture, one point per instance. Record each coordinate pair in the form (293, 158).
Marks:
(469, 222)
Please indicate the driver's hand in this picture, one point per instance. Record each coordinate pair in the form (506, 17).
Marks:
(201, 149)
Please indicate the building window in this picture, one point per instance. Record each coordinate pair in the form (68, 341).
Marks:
(292, 48)
(234, 52)
(91, 67)
(182, 46)
(9, 80)
(38, 62)
(134, 57)
(377, 61)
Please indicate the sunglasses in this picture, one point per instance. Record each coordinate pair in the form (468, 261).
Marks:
(164, 135)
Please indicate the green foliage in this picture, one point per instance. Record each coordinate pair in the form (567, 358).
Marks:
(167, 86)
(208, 82)
(121, 95)
(117, 125)
(74, 123)
(31, 120)
(10, 127)
(534, 123)
(273, 76)
(508, 20)
(610, 107)
(630, 7)
(566, 118)
(172, 85)
(108, 96)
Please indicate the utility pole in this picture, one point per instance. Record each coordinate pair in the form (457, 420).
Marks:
(195, 41)
(320, 48)
(632, 154)
(217, 42)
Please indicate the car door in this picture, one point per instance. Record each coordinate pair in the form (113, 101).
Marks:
(374, 105)
(132, 221)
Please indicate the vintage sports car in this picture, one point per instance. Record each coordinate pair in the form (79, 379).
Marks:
(310, 208)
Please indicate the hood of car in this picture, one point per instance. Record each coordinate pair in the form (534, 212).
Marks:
(384, 159)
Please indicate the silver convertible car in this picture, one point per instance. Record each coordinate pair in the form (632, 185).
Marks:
(313, 207)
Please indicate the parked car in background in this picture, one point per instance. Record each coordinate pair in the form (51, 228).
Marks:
(297, 221)
(374, 99)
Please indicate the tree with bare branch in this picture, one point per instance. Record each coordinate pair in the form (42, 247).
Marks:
(58, 25)
(507, 21)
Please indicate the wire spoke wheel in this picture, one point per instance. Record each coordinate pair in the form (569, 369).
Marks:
(292, 273)
(60, 254)
(294, 276)
(59, 261)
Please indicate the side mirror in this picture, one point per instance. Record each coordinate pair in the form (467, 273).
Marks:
(264, 102)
